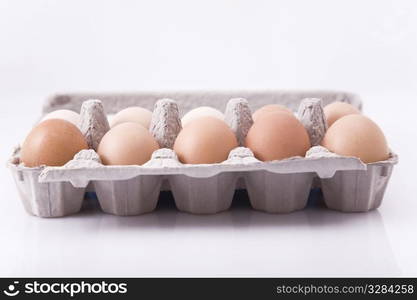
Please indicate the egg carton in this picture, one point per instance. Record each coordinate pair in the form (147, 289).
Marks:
(282, 186)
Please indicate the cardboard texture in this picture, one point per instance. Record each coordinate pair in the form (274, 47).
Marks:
(283, 186)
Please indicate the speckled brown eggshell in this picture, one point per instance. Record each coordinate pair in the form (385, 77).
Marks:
(52, 142)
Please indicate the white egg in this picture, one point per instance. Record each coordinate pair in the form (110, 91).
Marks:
(134, 114)
(202, 111)
(64, 114)
(110, 118)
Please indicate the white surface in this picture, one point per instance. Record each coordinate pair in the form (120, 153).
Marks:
(368, 47)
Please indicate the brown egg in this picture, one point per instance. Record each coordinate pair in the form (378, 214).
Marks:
(337, 110)
(134, 114)
(205, 140)
(267, 109)
(127, 144)
(52, 142)
(277, 135)
(357, 136)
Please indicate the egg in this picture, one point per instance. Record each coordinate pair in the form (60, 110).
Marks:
(267, 109)
(358, 136)
(110, 118)
(52, 142)
(336, 110)
(128, 143)
(64, 114)
(205, 140)
(134, 114)
(202, 111)
(277, 135)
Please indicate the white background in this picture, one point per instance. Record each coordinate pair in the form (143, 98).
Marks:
(368, 47)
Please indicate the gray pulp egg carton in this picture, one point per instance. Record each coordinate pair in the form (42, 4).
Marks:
(277, 187)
